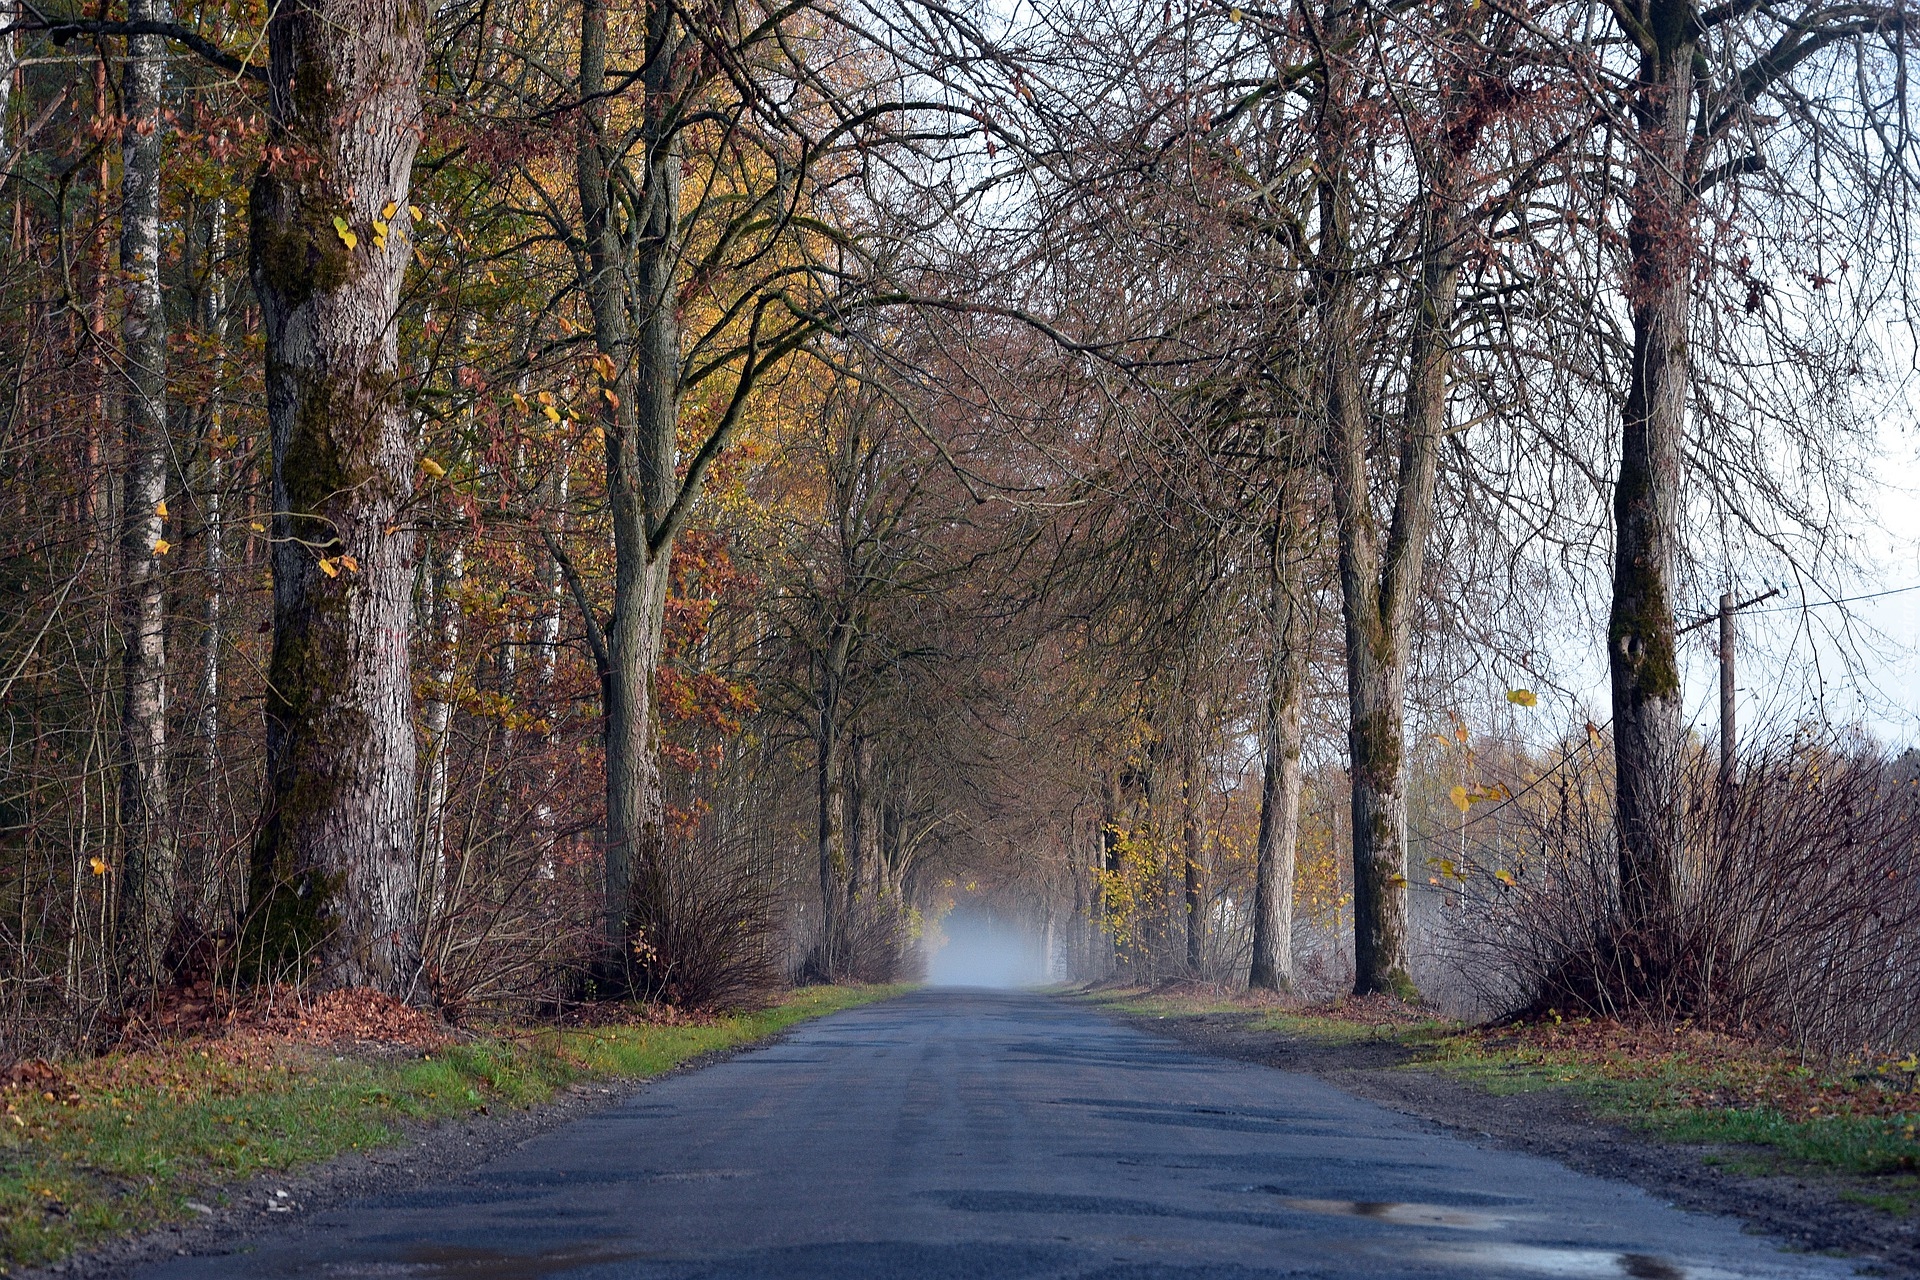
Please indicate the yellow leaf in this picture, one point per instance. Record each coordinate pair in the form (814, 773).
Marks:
(553, 414)
(331, 569)
(432, 468)
(597, 435)
(388, 209)
(349, 564)
(1461, 800)
(1397, 880)
(1448, 870)
(1505, 877)
(257, 526)
(545, 397)
(603, 365)
(161, 546)
(612, 399)
(161, 509)
(1522, 697)
(1460, 733)
(1234, 15)
(99, 866)
(519, 401)
(341, 229)
(413, 211)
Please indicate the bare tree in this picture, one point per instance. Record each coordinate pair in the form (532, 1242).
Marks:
(1694, 109)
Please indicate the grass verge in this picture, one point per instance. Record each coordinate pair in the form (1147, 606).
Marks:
(1770, 1111)
(129, 1139)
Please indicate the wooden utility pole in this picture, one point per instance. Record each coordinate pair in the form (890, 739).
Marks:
(1728, 743)
(1726, 689)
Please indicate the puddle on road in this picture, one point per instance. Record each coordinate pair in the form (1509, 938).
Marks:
(1403, 1214)
(1573, 1264)
(1525, 1259)
(700, 1175)
(460, 1262)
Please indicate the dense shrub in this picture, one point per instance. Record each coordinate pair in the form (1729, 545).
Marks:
(701, 931)
(1797, 915)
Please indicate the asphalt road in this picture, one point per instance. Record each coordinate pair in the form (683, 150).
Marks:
(956, 1134)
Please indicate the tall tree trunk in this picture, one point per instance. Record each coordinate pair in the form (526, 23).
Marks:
(333, 870)
(9, 60)
(1380, 571)
(632, 295)
(1110, 859)
(148, 870)
(446, 573)
(828, 834)
(1376, 639)
(549, 645)
(863, 818)
(1289, 633)
(1647, 734)
(204, 879)
(1192, 817)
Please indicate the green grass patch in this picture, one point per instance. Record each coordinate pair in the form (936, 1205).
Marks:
(1339, 1022)
(1703, 1099)
(135, 1136)
(1146, 1004)
(1336, 1029)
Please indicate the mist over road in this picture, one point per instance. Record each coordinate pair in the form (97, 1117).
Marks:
(956, 1133)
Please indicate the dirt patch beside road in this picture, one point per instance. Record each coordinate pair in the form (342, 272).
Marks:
(1806, 1209)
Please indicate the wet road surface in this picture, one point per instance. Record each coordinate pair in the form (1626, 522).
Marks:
(957, 1134)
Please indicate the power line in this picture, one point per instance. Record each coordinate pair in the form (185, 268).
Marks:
(1815, 604)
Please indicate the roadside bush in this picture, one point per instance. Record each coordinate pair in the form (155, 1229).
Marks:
(507, 922)
(701, 931)
(874, 943)
(1798, 916)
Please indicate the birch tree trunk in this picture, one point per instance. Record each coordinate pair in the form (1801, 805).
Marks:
(9, 59)
(148, 868)
(447, 573)
(333, 876)
(551, 586)
(1289, 633)
(204, 878)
